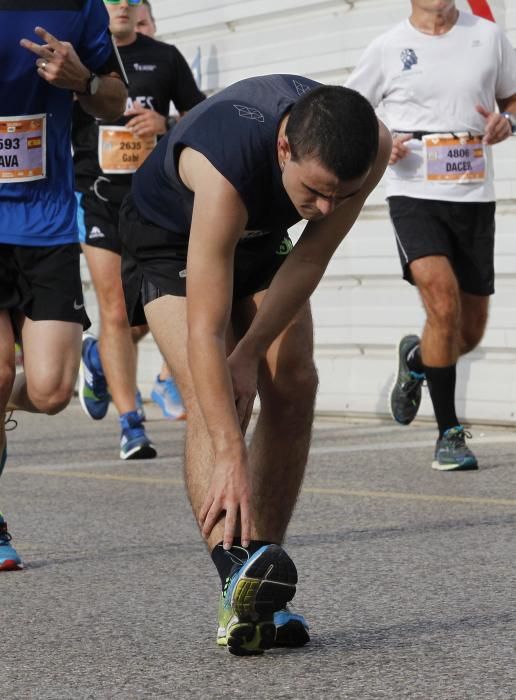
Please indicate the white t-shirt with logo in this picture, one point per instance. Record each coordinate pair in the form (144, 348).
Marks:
(432, 84)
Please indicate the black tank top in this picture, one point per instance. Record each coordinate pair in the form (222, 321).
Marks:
(236, 130)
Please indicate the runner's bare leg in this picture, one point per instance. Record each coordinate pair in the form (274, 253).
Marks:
(281, 440)
(116, 346)
(51, 358)
(7, 369)
(279, 451)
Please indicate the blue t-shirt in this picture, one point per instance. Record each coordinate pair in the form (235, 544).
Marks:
(236, 130)
(43, 212)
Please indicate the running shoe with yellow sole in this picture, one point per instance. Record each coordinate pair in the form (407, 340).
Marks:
(252, 594)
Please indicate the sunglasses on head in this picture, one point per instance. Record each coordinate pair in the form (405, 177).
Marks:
(117, 2)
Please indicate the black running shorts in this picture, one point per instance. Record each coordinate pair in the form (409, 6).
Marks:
(461, 231)
(98, 222)
(42, 282)
(154, 261)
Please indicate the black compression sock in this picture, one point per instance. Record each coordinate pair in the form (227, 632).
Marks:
(414, 361)
(441, 385)
(225, 559)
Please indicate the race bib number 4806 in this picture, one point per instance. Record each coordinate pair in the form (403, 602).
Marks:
(458, 159)
(120, 151)
(23, 148)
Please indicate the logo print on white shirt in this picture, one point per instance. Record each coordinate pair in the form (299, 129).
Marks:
(301, 89)
(408, 58)
(249, 113)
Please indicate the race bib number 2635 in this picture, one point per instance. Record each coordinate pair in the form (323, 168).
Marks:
(120, 151)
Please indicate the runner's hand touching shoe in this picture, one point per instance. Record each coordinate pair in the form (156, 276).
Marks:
(230, 489)
(229, 497)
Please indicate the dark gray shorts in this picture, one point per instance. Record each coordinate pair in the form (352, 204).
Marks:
(461, 231)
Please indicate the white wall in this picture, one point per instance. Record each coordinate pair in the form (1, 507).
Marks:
(362, 307)
(318, 38)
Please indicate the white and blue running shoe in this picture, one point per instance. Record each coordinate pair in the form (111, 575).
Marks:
(134, 443)
(166, 394)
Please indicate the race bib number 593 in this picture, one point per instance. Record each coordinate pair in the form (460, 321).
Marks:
(23, 148)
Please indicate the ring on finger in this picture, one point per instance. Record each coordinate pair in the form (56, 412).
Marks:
(43, 64)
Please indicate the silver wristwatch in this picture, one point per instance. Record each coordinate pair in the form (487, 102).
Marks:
(511, 118)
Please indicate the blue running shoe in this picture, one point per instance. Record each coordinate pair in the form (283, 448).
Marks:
(291, 629)
(93, 391)
(253, 592)
(9, 558)
(452, 453)
(134, 443)
(166, 394)
(140, 410)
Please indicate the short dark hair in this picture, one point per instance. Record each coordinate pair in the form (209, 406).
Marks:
(146, 2)
(337, 126)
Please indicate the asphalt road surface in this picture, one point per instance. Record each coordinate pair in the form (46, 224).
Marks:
(407, 575)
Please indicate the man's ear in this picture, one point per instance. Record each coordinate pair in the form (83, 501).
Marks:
(284, 153)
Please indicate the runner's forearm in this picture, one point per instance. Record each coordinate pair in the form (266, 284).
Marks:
(108, 102)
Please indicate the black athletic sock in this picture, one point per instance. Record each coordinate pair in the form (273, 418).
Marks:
(441, 385)
(225, 559)
(414, 361)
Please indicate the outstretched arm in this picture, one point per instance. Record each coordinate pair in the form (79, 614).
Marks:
(219, 219)
(303, 269)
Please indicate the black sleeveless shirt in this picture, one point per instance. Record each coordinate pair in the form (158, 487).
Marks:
(236, 130)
